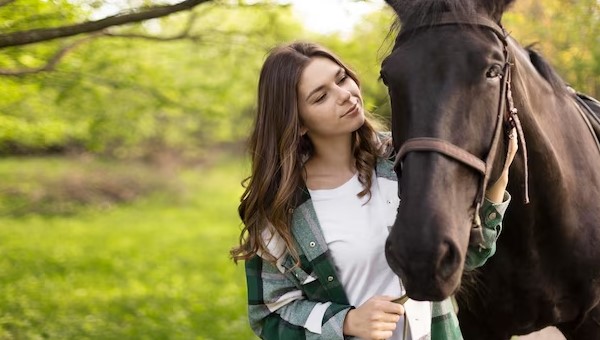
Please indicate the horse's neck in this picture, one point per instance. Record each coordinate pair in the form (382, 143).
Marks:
(563, 156)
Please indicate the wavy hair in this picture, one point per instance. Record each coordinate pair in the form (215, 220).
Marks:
(278, 151)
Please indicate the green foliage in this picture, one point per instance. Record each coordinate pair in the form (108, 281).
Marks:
(30, 14)
(567, 33)
(128, 97)
(155, 269)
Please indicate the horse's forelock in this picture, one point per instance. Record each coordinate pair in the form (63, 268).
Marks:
(420, 12)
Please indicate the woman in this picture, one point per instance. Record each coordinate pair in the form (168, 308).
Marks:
(317, 207)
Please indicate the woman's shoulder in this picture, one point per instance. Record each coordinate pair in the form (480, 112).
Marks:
(385, 144)
(385, 169)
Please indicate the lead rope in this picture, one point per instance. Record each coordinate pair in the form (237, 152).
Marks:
(402, 300)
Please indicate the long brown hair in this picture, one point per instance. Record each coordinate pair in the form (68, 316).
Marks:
(278, 150)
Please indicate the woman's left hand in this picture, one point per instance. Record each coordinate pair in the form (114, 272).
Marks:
(495, 192)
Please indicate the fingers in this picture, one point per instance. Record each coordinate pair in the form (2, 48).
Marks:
(383, 331)
(388, 306)
(393, 308)
(512, 133)
(382, 335)
(513, 146)
(388, 318)
(385, 327)
(513, 140)
(375, 319)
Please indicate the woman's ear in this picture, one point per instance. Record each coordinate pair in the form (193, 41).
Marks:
(303, 130)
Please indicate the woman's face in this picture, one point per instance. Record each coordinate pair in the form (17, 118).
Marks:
(329, 101)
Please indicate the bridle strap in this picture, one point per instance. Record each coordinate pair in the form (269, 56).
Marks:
(443, 147)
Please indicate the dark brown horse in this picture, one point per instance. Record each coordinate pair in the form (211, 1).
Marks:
(455, 79)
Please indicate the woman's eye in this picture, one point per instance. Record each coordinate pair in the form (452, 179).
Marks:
(494, 72)
(320, 99)
(342, 79)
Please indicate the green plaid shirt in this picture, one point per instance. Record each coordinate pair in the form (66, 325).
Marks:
(281, 296)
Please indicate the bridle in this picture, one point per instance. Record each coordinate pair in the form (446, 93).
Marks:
(506, 116)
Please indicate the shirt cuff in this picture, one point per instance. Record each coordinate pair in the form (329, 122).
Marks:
(315, 318)
(500, 207)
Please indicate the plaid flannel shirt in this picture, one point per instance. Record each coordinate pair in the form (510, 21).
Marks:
(281, 296)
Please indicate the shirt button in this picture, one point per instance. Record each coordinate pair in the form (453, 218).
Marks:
(492, 216)
(330, 278)
(312, 244)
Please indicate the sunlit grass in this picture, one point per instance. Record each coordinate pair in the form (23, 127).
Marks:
(153, 269)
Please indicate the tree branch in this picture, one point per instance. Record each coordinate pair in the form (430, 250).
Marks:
(183, 35)
(45, 34)
(52, 62)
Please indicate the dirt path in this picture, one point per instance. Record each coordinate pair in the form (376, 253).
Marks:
(549, 333)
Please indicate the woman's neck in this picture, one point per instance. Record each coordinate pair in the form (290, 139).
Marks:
(331, 164)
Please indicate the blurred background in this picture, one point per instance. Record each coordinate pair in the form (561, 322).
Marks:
(122, 131)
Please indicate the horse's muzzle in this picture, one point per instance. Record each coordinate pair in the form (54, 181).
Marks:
(430, 278)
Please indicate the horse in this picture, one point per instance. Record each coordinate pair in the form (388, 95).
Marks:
(456, 81)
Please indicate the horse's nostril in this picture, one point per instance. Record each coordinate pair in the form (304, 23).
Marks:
(449, 260)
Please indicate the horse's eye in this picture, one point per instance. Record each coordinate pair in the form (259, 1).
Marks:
(494, 71)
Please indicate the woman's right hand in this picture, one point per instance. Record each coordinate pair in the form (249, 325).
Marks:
(374, 319)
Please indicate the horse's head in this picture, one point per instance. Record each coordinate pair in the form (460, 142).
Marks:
(446, 81)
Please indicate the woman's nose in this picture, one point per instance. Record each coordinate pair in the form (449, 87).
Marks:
(344, 95)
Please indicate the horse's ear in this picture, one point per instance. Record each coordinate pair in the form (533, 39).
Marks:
(495, 8)
(395, 6)
(400, 7)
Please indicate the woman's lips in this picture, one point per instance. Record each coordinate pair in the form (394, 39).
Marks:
(353, 109)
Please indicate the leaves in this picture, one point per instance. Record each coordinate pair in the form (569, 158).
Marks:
(128, 94)
(567, 33)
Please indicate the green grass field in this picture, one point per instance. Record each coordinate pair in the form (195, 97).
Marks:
(157, 268)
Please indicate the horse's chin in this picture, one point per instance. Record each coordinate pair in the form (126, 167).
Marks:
(432, 290)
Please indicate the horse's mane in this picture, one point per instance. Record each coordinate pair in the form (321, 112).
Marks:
(546, 71)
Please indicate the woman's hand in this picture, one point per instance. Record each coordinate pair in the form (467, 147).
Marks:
(374, 319)
(495, 192)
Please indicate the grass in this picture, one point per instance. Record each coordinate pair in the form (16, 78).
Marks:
(153, 269)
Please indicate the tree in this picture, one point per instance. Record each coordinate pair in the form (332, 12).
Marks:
(20, 38)
(567, 33)
(126, 95)
(95, 28)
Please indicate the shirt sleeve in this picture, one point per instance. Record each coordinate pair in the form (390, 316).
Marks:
(278, 309)
(491, 215)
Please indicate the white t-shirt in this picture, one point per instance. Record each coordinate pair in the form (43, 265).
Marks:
(355, 230)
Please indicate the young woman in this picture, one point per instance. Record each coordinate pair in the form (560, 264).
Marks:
(317, 207)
